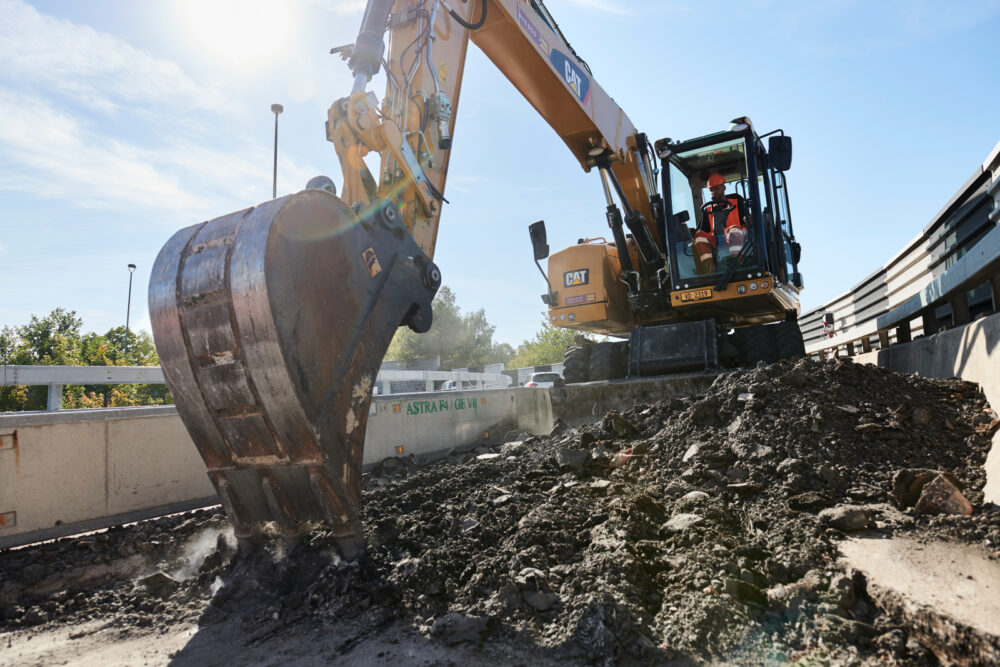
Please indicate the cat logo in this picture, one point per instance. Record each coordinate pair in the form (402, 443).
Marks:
(571, 73)
(572, 78)
(371, 262)
(577, 277)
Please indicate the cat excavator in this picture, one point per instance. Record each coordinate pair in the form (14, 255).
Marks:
(271, 322)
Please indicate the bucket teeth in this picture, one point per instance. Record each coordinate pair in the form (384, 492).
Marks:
(271, 324)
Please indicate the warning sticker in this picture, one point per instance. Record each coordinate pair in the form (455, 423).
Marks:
(371, 262)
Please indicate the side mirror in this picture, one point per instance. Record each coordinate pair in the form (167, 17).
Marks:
(682, 217)
(796, 253)
(779, 147)
(538, 243)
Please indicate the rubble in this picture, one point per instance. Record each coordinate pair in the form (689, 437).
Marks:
(699, 530)
(929, 492)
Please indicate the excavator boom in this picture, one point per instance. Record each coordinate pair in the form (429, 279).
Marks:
(271, 322)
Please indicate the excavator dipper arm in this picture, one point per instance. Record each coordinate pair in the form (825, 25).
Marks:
(271, 322)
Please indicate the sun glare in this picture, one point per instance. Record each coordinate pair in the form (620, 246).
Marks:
(239, 32)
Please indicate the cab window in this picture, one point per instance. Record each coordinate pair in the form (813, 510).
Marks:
(697, 262)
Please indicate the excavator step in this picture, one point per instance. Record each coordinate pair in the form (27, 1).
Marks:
(271, 323)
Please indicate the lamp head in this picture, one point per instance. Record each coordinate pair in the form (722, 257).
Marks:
(276, 109)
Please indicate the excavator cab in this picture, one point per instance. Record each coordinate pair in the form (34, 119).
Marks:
(743, 239)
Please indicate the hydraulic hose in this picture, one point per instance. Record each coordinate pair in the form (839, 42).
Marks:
(465, 24)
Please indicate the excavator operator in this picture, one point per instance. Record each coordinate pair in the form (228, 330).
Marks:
(723, 223)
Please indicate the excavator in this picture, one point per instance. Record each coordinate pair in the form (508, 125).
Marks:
(271, 322)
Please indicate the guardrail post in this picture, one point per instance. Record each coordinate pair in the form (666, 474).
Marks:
(903, 332)
(883, 339)
(866, 344)
(929, 318)
(850, 349)
(960, 308)
(995, 285)
(55, 397)
(428, 382)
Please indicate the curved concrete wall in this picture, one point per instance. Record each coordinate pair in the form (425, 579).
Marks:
(74, 470)
(966, 217)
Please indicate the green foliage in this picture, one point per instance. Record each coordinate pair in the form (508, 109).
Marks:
(547, 347)
(460, 340)
(56, 340)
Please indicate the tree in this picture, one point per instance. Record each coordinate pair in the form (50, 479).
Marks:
(50, 340)
(547, 347)
(459, 340)
(55, 340)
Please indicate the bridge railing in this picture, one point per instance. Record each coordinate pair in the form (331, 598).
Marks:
(57, 377)
(946, 276)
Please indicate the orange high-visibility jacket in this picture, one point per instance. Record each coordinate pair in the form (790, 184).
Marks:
(735, 219)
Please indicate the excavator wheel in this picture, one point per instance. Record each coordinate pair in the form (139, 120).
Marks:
(271, 324)
(576, 364)
(608, 361)
(757, 344)
(788, 340)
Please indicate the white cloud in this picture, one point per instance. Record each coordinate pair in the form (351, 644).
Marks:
(91, 67)
(92, 121)
(55, 155)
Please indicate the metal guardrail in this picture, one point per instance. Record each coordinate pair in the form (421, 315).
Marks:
(925, 286)
(56, 377)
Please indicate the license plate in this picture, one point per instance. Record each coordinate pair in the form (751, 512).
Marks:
(697, 295)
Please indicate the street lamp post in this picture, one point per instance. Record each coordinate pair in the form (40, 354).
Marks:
(276, 109)
(128, 307)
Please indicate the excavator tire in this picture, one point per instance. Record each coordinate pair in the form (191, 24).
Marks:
(608, 361)
(576, 364)
(758, 344)
(788, 339)
(271, 323)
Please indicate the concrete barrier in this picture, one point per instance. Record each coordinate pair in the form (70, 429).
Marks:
(581, 403)
(970, 353)
(75, 470)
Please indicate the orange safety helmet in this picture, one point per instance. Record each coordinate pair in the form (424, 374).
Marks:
(716, 179)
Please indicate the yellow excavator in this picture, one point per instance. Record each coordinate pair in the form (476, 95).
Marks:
(271, 322)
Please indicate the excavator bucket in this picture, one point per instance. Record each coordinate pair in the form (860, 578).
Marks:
(271, 324)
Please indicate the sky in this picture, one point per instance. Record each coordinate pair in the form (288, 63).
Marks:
(122, 122)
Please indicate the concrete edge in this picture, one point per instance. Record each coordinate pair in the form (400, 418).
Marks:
(66, 530)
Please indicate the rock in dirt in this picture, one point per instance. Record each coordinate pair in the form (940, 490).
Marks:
(908, 484)
(455, 628)
(160, 584)
(742, 590)
(941, 496)
(848, 518)
(810, 501)
(682, 522)
(572, 459)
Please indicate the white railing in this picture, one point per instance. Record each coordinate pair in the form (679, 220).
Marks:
(433, 379)
(56, 377)
(926, 274)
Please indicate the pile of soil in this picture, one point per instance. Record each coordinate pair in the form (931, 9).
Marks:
(696, 530)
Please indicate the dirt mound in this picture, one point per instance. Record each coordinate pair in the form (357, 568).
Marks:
(691, 530)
